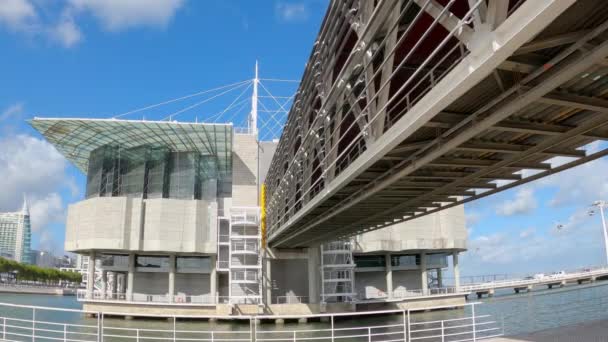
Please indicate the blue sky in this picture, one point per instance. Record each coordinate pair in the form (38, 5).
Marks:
(99, 58)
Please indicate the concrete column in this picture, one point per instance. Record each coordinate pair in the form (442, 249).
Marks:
(91, 275)
(213, 279)
(130, 275)
(439, 277)
(171, 289)
(423, 274)
(104, 284)
(114, 288)
(313, 274)
(268, 280)
(456, 271)
(389, 276)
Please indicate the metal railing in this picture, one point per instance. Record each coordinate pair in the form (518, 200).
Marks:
(535, 281)
(42, 323)
(406, 293)
(181, 299)
(291, 300)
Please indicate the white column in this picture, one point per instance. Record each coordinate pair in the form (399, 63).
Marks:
(130, 276)
(104, 284)
(114, 288)
(213, 279)
(423, 274)
(171, 289)
(389, 276)
(91, 275)
(313, 275)
(456, 271)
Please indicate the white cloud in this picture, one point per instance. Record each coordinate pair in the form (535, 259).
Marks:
(296, 11)
(59, 22)
(17, 15)
(581, 185)
(66, 32)
(46, 210)
(523, 203)
(116, 15)
(31, 166)
(12, 111)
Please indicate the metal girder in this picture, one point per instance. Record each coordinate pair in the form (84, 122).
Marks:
(550, 42)
(449, 21)
(575, 101)
(515, 148)
(467, 162)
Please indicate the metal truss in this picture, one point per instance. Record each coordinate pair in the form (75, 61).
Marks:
(411, 107)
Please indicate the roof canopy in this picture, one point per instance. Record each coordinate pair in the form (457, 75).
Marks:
(76, 138)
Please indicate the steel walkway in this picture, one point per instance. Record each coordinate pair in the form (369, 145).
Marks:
(414, 106)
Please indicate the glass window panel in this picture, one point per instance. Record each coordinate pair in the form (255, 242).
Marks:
(370, 260)
(405, 260)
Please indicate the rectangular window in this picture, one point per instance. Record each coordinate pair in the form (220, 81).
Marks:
(152, 263)
(193, 264)
(370, 261)
(405, 260)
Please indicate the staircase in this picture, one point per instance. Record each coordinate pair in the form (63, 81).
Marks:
(337, 272)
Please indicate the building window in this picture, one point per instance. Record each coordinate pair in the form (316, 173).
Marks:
(438, 259)
(193, 264)
(405, 260)
(370, 261)
(152, 263)
(111, 260)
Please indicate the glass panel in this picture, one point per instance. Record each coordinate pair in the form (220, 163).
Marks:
(370, 260)
(194, 263)
(405, 260)
(152, 262)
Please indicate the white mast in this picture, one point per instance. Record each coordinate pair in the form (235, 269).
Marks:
(254, 103)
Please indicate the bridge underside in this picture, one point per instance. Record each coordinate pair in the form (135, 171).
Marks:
(417, 106)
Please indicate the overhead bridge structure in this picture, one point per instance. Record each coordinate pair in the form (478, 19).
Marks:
(408, 107)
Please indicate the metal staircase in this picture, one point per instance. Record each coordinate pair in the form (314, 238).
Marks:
(245, 262)
(337, 272)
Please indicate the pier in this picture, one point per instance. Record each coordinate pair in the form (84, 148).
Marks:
(519, 285)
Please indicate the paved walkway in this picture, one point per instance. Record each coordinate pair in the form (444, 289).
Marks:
(585, 332)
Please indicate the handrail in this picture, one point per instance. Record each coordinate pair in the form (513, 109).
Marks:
(471, 325)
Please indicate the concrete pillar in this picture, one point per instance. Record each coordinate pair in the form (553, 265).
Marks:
(114, 288)
(456, 271)
(91, 275)
(268, 280)
(171, 289)
(440, 277)
(213, 279)
(104, 284)
(389, 276)
(313, 275)
(130, 275)
(423, 274)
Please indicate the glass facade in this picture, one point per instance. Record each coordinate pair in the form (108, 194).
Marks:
(151, 172)
(193, 264)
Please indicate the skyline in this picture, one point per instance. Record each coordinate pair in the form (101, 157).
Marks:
(522, 219)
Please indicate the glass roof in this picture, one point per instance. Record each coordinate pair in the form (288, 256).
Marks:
(76, 138)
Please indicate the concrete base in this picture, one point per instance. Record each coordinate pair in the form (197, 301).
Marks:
(130, 310)
(139, 309)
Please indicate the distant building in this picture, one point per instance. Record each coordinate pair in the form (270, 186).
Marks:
(46, 259)
(16, 234)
